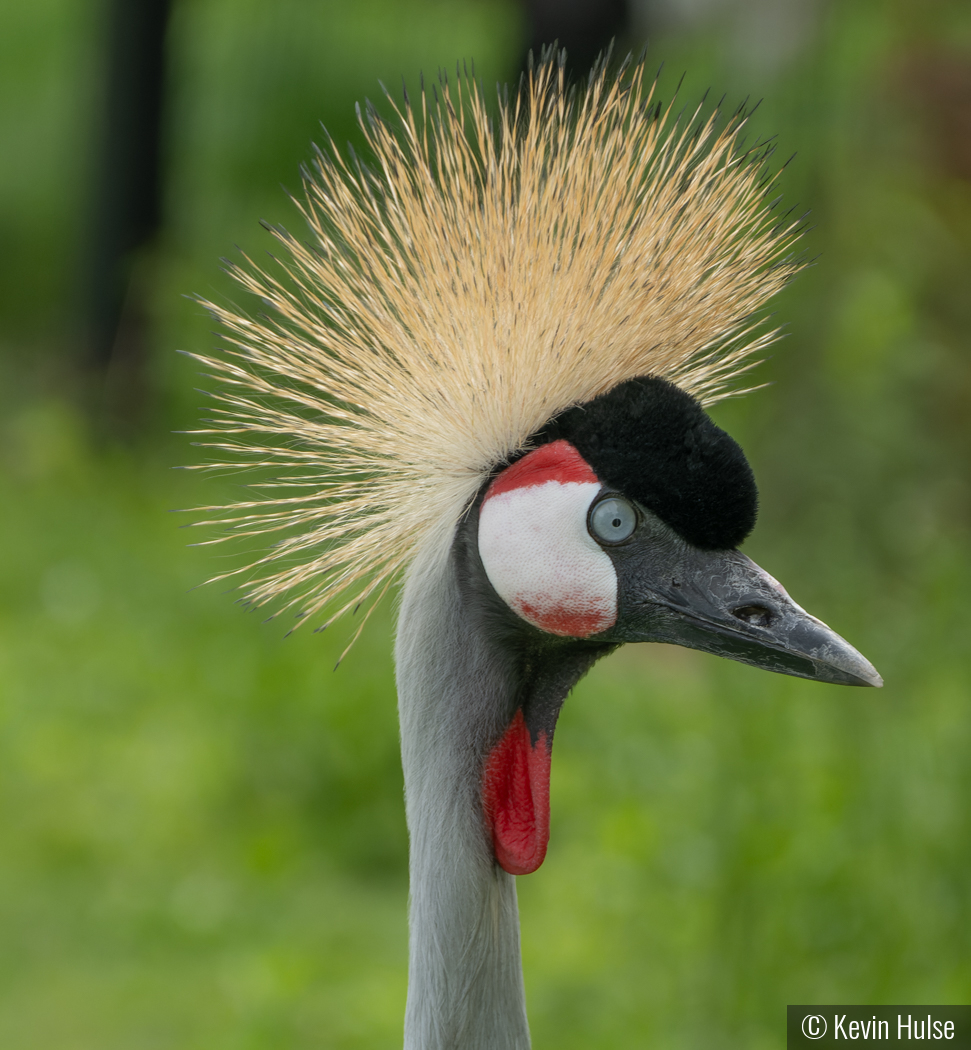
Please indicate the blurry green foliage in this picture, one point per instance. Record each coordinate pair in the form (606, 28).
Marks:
(203, 839)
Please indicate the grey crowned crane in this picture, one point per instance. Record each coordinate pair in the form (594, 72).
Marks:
(485, 374)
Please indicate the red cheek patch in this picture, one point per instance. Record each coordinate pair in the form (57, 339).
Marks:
(579, 620)
(516, 798)
(557, 461)
(536, 549)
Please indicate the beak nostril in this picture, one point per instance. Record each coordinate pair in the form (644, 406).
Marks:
(753, 615)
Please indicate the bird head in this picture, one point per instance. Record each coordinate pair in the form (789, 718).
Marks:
(497, 347)
(623, 525)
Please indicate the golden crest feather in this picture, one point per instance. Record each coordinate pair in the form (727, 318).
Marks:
(484, 274)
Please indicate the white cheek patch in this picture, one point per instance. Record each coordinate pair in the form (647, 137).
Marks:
(543, 562)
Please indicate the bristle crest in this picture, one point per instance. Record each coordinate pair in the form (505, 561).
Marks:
(481, 276)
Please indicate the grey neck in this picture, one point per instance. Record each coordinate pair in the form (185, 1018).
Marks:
(456, 695)
(465, 664)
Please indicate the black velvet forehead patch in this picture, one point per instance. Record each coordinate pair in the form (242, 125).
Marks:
(653, 442)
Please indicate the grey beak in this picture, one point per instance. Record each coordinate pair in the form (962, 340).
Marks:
(721, 602)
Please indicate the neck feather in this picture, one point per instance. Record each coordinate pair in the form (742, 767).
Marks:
(465, 664)
(456, 695)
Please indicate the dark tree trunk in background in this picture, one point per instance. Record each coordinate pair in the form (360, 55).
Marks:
(583, 27)
(127, 211)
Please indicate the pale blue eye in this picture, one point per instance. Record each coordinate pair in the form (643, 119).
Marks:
(612, 520)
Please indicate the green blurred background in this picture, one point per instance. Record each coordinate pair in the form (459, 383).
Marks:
(203, 840)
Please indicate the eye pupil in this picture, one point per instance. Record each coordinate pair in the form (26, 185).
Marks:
(612, 520)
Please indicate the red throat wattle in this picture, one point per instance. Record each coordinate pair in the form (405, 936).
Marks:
(516, 797)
